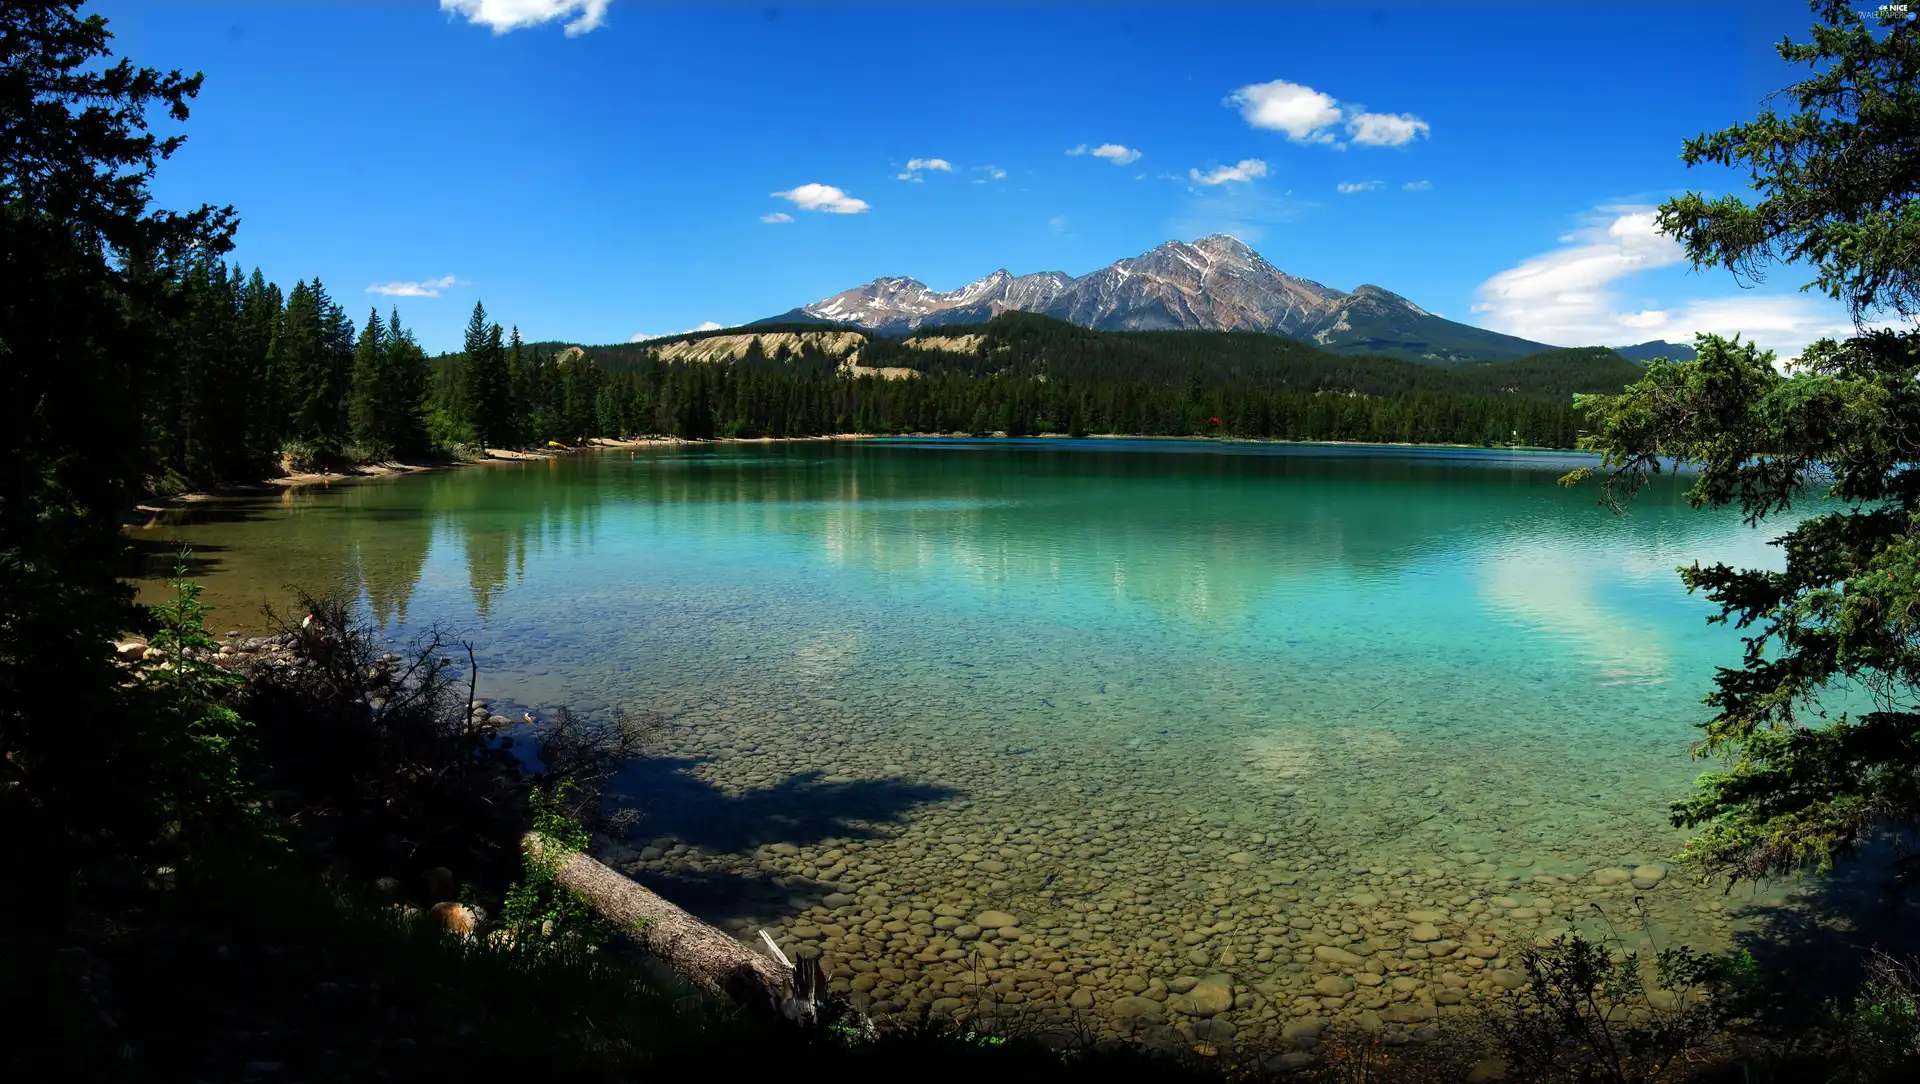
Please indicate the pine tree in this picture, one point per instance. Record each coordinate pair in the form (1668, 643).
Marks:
(259, 323)
(518, 404)
(403, 390)
(484, 388)
(369, 388)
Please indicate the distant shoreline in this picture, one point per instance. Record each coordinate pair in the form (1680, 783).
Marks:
(305, 480)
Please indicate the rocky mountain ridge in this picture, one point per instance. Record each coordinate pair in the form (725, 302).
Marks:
(1216, 283)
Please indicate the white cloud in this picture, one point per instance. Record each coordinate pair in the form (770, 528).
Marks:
(1347, 188)
(1417, 186)
(505, 15)
(1386, 129)
(1302, 112)
(1567, 296)
(1310, 116)
(1112, 152)
(1244, 170)
(777, 217)
(704, 325)
(915, 165)
(1563, 296)
(1058, 223)
(426, 288)
(823, 197)
(993, 173)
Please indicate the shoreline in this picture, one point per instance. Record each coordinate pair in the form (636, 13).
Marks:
(151, 504)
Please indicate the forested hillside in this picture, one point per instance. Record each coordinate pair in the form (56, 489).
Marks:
(1032, 374)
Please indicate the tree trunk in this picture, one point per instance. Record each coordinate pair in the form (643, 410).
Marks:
(705, 956)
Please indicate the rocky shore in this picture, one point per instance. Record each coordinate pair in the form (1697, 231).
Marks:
(1225, 955)
(1034, 896)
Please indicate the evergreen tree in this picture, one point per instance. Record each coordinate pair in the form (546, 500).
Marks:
(485, 390)
(402, 401)
(519, 404)
(1803, 785)
(316, 359)
(258, 326)
(369, 386)
(91, 769)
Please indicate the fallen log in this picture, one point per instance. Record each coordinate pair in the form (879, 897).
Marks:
(707, 957)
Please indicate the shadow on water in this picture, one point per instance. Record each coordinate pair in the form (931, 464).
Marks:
(154, 558)
(804, 808)
(1822, 940)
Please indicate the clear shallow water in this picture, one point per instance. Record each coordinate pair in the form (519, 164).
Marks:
(1180, 709)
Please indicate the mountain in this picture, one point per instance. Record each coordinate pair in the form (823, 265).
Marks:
(1215, 284)
(1658, 348)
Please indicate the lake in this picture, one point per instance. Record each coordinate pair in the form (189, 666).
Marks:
(1334, 730)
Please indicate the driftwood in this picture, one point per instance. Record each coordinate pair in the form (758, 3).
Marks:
(705, 956)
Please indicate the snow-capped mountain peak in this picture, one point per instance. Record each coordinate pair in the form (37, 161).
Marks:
(1214, 283)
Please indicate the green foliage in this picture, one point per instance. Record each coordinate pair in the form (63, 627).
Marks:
(1036, 375)
(538, 912)
(1837, 179)
(1879, 1029)
(486, 385)
(1800, 786)
(1590, 1014)
(196, 760)
(84, 319)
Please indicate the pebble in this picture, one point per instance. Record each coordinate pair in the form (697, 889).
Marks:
(1076, 865)
(1211, 995)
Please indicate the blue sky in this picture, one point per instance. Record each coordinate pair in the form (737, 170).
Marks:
(597, 169)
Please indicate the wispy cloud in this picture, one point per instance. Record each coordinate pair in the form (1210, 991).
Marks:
(993, 173)
(704, 325)
(1569, 295)
(823, 197)
(1245, 211)
(1347, 188)
(916, 165)
(1112, 152)
(1058, 223)
(424, 288)
(1386, 129)
(1243, 171)
(777, 217)
(1310, 116)
(1416, 186)
(506, 15)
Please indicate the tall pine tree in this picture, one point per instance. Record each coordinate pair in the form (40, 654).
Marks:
(369, 386)
(485, 390)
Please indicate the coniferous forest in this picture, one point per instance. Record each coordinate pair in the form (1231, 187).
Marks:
(257, 380)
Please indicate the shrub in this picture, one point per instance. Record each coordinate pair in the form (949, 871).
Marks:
(1588, 1013)
(1879, 1031)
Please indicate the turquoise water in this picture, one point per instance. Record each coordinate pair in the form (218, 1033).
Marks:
(1162, 702)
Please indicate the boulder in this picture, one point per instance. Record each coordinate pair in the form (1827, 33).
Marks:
(1303, 1031)
(1139, 1009)
(1332, 954)
(1210, 996)
(455, 918)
